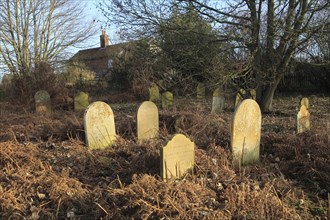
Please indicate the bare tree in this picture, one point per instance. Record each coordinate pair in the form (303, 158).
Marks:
(32, 31)
(271, 31)
(267, 32)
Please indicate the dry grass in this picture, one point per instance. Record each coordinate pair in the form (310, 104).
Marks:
(46, 172)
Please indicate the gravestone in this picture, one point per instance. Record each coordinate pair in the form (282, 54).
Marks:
(167, 100)
(147, 121)
(245, 133)
(304, 101)
(218, 101)
(303, 120)
(154, 93)
(42, 101)
(177, 157)
(80, 101)
(99, 126)
(200, 91)
(239, 97)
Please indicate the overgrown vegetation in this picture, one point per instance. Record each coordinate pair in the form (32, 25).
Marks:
(47, 171)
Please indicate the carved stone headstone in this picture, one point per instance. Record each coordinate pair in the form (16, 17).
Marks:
(218, 101)
(99, 126)
(200, 91)
(42, 101)
(305, 101)
(167, 100)
(147, 121)
(246, 132)
(80, 101)
(177, 157)
(154, 93)
(303, 120)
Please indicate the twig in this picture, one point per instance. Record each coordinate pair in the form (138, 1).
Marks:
(105, 211)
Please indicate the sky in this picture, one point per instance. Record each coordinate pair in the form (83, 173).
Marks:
(94, 14)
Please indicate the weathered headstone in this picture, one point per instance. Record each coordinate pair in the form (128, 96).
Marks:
(99, 126)
(147, 121)
(167, 100)
(304, 101)
(154, 93)
(303, 120)
(177, 157)
(218, 101)
(239, 97)
(42, 101)
(80, 101)
(246, 132)
(200, 91)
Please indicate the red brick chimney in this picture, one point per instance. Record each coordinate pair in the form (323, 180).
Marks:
(104, 39)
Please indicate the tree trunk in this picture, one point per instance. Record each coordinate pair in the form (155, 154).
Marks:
(266, 101)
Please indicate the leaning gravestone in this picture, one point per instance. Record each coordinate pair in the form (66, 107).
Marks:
(200, 91)
(167, 100)
(42, 101)
(177, 157)
(147, 121)
(303, 120)
(246, 132)
(80, 101)
(99, 126)
(218, 101)
(154, 93)
(305, 101)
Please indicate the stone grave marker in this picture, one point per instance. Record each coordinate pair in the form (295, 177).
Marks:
(99, 123)
(154, 93)
(245, 133)
(167, 100)
(303, 120)
(80, 101)
(200, 91)
(177, 157)
(218, 101)
(42, 101)
(304, 101)
(147, 121)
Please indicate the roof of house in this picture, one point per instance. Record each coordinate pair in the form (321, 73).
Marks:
(110, 51)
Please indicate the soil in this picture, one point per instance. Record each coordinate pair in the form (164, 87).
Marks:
(47, 172)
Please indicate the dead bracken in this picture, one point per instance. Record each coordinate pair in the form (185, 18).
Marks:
(47, 172)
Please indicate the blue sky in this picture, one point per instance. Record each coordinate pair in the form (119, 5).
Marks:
(94, 14)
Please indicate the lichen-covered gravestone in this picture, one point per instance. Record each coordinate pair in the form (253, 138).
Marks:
(303, 120)
(218, 101)
(167, 100)
(177, 157)
(200, 91)
(154, 93)
(147, 121)
(99, 126)
(42, 101)
(305, 101)
(81, 101)
(246, 132)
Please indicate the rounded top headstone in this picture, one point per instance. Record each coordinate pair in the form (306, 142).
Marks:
(42, 95)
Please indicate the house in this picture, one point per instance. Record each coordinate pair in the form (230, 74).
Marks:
(99, 60)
